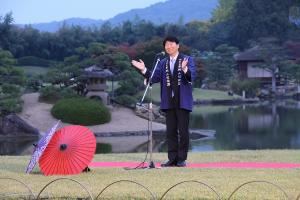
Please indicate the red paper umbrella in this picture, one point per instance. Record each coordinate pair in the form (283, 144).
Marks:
(70, 150)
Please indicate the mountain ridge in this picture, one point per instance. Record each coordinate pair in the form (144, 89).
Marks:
(174, 9)
(171, 11)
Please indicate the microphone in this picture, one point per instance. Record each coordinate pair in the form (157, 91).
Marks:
(161, 53)
(159, 56)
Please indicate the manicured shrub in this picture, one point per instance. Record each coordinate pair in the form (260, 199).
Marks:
(81, 111)
(249, 86)
(126, 100)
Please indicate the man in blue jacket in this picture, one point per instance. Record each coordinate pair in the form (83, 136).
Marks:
(175, 74)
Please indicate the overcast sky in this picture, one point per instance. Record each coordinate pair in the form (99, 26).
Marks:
(36, 11)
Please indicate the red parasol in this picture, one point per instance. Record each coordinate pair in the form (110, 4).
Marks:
(70, 150)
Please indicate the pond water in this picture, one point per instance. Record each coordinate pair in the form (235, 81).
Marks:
(257, 126)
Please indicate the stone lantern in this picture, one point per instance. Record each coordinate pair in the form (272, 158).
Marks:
(96, 83)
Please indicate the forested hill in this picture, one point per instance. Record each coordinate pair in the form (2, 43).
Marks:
(55, 25)
(170, 11)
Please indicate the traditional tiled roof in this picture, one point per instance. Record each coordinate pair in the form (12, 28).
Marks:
(254, 54)
(97, 72)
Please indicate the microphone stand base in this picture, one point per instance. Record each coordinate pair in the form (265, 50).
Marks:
(152, 166)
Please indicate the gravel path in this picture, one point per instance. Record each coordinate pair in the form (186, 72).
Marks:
(123, 119)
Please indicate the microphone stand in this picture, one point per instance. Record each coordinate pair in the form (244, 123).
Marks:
(150, 111)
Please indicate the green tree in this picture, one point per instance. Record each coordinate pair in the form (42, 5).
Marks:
(128, 35)
(198, 34)
(5, 30)
(96, 49)
(31, 41)
(273, 55)
(108, 34)
(220, 64)
(200, 69)
(147, 50)
(255, 19)
(291, 69)
(224, 11)
(11, 81)
(6, 58)
(8, 73)
(220, 33)
(55, 76)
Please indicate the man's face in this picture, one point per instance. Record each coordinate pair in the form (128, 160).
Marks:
(171, 48)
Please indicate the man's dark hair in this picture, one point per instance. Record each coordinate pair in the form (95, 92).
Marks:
(170, 39)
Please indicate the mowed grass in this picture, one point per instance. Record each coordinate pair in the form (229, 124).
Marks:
(197, 185)
(199, 94)
(34, 70)
(203, 94)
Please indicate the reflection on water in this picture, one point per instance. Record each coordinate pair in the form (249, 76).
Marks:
(17, 146)
(130, 144)
(261, 126)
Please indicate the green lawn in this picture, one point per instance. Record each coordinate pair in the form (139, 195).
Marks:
(223, 181)
(199, 94)
(34, 70)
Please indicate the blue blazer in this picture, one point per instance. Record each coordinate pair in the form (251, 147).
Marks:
(185, 88)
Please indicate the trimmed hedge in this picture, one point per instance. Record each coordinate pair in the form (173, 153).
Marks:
(126, 100)
(81, 111)
(249, 86)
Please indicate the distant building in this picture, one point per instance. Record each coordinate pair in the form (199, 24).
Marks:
(96, 83)
(249, 59)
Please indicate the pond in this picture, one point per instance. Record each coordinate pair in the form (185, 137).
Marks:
(257, 126)
(260, 126)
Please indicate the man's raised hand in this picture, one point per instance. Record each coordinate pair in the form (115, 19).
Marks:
(140, 65)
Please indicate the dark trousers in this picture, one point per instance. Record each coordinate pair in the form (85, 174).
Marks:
(177, 121)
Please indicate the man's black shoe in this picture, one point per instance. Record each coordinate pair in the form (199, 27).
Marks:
(169, 163)
(181, 164)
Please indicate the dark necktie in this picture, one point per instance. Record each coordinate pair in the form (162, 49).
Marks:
(172, 64)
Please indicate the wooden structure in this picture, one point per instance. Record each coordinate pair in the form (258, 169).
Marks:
(249, 59)
(247, 62)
